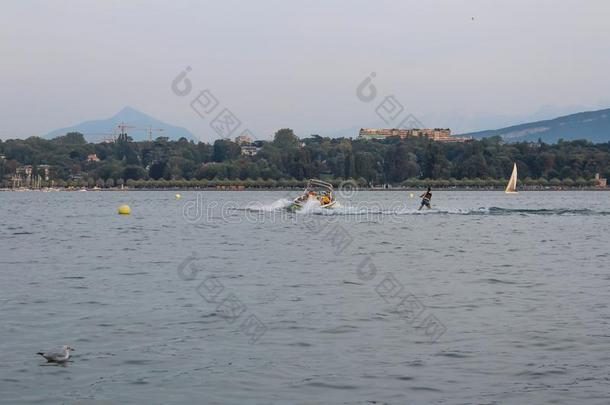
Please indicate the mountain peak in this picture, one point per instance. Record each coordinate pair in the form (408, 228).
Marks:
(129, 113)
(97, 130)
(128, 110)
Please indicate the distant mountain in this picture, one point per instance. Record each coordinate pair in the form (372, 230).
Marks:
(98, 130)
(591, 125)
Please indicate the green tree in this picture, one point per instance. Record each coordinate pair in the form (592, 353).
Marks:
(285, 139)
(224, 149)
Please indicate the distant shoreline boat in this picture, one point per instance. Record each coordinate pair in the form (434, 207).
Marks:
(511, 187)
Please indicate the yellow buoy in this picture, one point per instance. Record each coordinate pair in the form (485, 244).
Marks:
(178, 196)
(124, 209)
(411, 195)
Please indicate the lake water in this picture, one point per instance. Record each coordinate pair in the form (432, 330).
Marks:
(224, 298)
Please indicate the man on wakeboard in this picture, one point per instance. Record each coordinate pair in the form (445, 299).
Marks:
(426, 197)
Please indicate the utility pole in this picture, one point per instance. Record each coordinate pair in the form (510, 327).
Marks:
(122, 133)
(150, 130)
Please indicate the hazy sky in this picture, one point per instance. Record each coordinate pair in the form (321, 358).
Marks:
(297, 64)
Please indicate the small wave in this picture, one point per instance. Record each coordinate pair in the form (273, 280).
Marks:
(320, 384)
(545, 211)
(454, 354)
(300, 344)
(340, 329)
(496, 281)
(138, 362)
(422, 388)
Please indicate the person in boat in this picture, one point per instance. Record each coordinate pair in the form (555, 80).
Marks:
(426, 197)
(325, 199)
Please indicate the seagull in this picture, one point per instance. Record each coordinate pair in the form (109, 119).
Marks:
(57, 357)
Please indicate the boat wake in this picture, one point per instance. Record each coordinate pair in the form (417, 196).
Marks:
(313, 208)
(545, 211)
(277, 205)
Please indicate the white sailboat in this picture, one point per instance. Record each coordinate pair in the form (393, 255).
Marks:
(511, 187)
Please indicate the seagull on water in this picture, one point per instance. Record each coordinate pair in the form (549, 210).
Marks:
(57, 357)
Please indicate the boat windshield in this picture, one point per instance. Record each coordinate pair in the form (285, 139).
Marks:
(318, 189)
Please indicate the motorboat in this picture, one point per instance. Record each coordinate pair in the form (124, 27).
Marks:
(316, 190)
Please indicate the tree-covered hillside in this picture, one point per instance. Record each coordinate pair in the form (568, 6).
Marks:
(590, 125)
(287, 158)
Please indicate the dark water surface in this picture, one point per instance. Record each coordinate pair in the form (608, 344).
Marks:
(488, 298)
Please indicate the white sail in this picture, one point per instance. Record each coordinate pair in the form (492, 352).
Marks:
(511, 187)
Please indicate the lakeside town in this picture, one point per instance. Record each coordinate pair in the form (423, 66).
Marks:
(377, 159)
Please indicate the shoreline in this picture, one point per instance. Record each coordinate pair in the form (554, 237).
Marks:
(296, 189)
